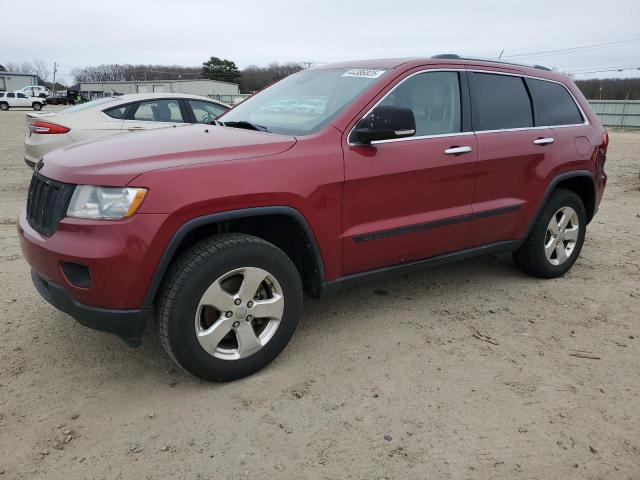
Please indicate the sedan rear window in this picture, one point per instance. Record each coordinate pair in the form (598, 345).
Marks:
(85, 106)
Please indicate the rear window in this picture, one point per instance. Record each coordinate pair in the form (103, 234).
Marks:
(500, 102)
(85, 106)
(11, 95)
(552, 104)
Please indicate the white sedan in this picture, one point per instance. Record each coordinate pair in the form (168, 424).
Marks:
(108, 116)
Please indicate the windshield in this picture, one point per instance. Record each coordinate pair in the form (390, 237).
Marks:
(303, 103)
(91, 104)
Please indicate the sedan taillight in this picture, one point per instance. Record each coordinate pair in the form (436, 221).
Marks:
(47, 128)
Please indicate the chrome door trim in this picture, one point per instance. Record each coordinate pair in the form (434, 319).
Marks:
(544, 141)
(458, 150)
(472, 132)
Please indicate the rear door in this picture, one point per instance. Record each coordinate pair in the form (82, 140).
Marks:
(409, 199)
(513, 157)
(158, 113)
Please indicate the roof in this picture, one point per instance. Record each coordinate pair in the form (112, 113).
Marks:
(157, 81)
(445, 59)
(132, 97)
(19, 74)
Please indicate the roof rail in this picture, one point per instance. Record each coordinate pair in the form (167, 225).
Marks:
(453, 56)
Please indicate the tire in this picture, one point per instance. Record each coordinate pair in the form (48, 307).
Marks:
(37, 106)
(184, 314)
(541, 254)
(4, 106)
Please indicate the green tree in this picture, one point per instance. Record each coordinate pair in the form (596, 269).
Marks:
(220, 69)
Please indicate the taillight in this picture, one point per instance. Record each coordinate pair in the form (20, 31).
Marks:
(47, 128)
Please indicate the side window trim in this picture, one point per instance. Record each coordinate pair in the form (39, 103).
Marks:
(465, 107)
(535, 127)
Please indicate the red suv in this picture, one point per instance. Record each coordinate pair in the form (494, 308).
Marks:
(383, 165)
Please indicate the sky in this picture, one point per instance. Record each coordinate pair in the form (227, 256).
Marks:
(81, 33)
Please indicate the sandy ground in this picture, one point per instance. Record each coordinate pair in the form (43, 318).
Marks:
(386, 380)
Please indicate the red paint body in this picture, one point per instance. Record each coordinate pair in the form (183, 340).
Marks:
(343, 191)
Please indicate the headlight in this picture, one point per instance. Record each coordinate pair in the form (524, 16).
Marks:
(105, 202)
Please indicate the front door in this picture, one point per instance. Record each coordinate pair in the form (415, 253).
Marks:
(409, 199)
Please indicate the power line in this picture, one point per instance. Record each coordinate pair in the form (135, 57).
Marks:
(580, 49)
(602, 70)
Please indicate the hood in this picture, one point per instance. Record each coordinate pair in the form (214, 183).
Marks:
(115, 161)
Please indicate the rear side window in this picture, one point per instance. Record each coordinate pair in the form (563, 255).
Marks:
(116, 112)
(500, 101)
(11, 95)
(552, 104)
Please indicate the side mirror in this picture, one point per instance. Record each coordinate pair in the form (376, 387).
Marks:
(386, 123)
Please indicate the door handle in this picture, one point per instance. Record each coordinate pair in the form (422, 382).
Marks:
(457, 150)
(543, 141)
(131, 129)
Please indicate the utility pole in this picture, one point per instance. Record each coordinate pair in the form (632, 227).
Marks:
(55, 69)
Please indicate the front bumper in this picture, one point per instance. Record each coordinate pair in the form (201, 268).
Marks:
(127, 324)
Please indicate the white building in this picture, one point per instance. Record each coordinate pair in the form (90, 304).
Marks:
(15, 81)
(223, 91)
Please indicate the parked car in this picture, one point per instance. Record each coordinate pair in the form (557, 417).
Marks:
(311, 107)
(114, 116)
(216, 231)
(35, 91)
(67, 97)
(19, 99)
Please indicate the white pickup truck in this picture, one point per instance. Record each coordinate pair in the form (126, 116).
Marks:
(19, 99)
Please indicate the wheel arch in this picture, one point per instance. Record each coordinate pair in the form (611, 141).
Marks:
(295, 238)
(581, 182)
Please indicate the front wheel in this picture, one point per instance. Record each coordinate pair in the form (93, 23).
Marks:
(229, 306)
(37, 106)
(556, 239)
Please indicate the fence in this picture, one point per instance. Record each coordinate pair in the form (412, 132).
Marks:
(617, 113)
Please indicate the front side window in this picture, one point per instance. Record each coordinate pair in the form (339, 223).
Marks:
(500, 102)
(158, 111)
(21, 95)
(434, 99)
(206, 112)
(304, 102)
(552, 104)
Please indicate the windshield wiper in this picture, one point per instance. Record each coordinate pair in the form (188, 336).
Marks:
(246, 125)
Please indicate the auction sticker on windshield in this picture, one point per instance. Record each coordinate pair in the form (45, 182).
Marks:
(363, 73)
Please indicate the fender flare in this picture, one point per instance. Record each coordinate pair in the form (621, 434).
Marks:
(190, 225)
(551, 187)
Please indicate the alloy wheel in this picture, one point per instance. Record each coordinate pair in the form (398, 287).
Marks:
(239, 313)
(562, 236)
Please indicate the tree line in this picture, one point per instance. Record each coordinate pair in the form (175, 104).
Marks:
(250, 79)
(254, 77)
(610, 88)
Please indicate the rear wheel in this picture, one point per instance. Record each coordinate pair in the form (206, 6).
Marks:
(556, 239)
(4, 106)
(229, 306)
(36, 106)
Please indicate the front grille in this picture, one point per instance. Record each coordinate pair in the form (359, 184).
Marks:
(47, 203)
